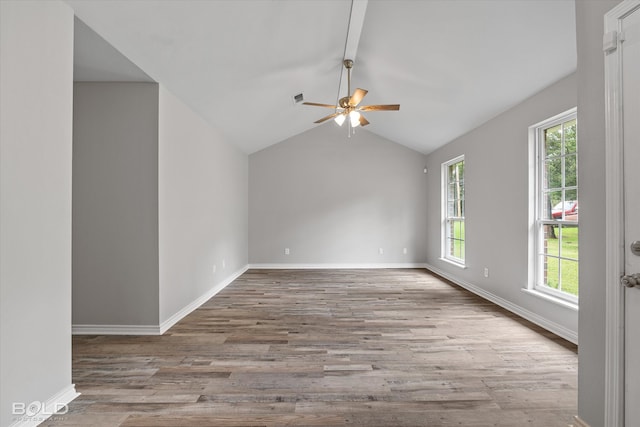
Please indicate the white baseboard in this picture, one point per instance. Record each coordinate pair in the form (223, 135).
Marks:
(557, 329)
(115, 330)
(579, 422)
(164, 326)
(38, 412)
(333, 266)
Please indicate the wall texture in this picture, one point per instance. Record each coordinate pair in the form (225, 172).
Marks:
(591, 134)
(36, 77)
(115, 204)
(202, 207)
(497, 203)
(337, 200)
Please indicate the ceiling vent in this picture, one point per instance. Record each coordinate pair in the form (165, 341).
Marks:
(297, 99)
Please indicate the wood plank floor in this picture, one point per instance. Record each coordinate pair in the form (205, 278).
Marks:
(330, 348)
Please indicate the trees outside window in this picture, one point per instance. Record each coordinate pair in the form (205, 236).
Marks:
(453, 224)
(557, 206)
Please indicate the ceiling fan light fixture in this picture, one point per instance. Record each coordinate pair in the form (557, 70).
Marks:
(350, 105)
(354, 117)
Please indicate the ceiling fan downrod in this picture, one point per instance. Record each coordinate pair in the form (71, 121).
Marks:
(344, 101)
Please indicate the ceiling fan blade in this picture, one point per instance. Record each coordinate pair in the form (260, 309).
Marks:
(391, 107)
(324, 119)
(363, 121)
(315, 104)
(357, 96)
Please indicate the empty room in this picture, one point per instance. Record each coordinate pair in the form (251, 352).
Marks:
(319, 213)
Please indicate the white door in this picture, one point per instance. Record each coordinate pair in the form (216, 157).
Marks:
(623, 69)
(631, 145)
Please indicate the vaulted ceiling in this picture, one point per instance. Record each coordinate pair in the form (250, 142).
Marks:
(451, 64)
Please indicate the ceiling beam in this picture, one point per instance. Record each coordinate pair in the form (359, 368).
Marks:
(356, 22)
(354, 30)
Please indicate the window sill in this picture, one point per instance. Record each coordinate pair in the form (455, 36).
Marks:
(552, 299)
(456, 264)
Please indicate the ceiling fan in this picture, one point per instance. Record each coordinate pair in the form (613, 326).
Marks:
(348, 105)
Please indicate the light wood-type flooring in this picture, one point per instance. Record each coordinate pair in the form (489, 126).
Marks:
(330, 348)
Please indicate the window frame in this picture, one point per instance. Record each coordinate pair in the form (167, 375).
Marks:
(538, 204)
(446, 219)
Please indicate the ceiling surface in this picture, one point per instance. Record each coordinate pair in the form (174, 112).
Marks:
(95, 60)
(451, 64)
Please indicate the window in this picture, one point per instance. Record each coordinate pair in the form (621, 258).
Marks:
(555, 231)
(453, 232)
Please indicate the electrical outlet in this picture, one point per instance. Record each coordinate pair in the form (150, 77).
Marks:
(224, 264)
(214, 269)
(404, 251)
(381, 251)
(486, 272)
(287, 251)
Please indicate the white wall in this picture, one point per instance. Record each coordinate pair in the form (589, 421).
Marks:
(336, 200)
(36, 75)
(159, 198)
(115, 204)
(202, 207)
(591, 137)
(497, 203)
